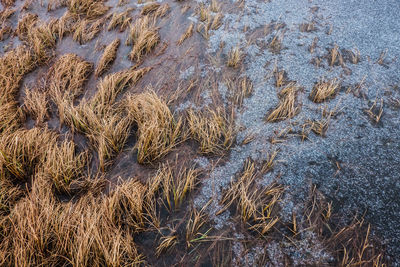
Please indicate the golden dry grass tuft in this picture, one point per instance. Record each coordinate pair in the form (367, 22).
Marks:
(89, 8)
(126, 204)
(41, 231)
(176, 184)
(254, 204)
(108, 57)
(324, 90)
(149, 8)
(85, 29)
(196, 221)
(335, 57)
(68, 75)
(375, 111)
(239, 90)
(144, 36)
(9, 196)
(188, 33)
(36, 103)
(100, 119)
(167, 243)
(25, 24)
(13, 66)
(64, 165)
(112, 85)
(120, 20)
(22, 151)
(158, 131)
(214, 130)
(234, 57)
(287, 107)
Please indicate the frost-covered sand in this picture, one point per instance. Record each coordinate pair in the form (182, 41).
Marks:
(357, 164)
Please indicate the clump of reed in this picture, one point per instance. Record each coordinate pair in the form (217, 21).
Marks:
(174, 183)
(324, 90)
(22, 151)
(144, 36)
(288, 106)
(108, 57)
(254, 204)
(41, 231)
(213, 129)
(36, 103)
(64, 165)
(120, 20)
(89, 8)
(86, 29)
(158, 131)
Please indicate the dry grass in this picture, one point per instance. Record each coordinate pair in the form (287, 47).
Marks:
(167, 243)
(88, 8)
(108, 57)
(351, 243)
(324, 90)
(126, 204)
(161, 11)
(239, 90)
(275, 45)
(307, 27)
(64, 25)
(64, 165)
(197, 219)
(25, 24)
(234, 57)
(335, 57)
(280, 77)
(110, 137)
(85, 30)
(13, 66)
(188, 33)
(112, 85)
(68, 75)
(39, 36)
(287, 107)
(143, 36)
(36, 103)
(217, 21)
(104, 123)
(66, 80)
(204, 13)
(158, 131)
(375, 111)
(214, 131)
(9, 196)
(255, 205)
(22, 151)
(313, 45)
(120, 20)
(149, 8)
(174, 183)
(42, 232)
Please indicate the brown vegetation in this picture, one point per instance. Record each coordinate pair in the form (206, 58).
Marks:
(287, 107)
(108, 57)
(214, 130)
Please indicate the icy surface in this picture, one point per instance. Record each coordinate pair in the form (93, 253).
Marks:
(368, 154)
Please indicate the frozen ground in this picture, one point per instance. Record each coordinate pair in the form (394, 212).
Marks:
(357, 164)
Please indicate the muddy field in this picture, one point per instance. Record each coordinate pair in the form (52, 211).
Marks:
(205, 133)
